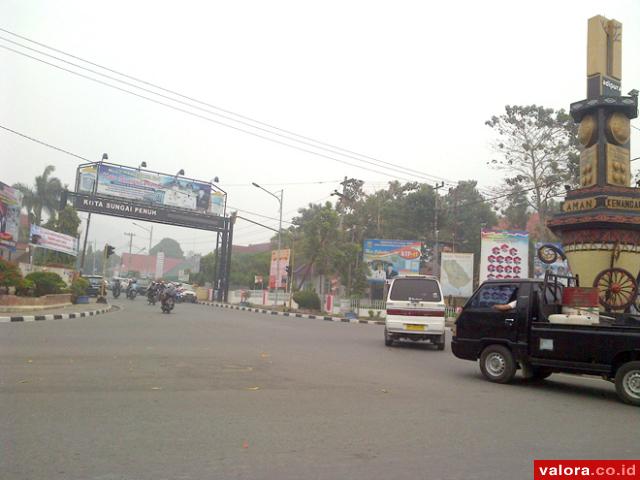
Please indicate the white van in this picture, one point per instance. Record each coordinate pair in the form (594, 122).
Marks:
(415, 310)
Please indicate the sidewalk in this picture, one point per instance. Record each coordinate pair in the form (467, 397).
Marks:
(71, 311)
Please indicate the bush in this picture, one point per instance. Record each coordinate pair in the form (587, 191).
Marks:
(79, 287)
(46, 283)
(10, 275)
(307, 299)
(26, 288)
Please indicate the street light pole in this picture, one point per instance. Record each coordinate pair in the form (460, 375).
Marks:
(279, 234)
(436, 259)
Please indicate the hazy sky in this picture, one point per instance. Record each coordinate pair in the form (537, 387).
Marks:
(409, 83)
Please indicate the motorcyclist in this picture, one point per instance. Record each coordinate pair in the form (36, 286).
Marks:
(167, 297)
(132, 288)
(153, 292)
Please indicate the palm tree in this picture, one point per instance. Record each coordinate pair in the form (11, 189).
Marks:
(44, 196)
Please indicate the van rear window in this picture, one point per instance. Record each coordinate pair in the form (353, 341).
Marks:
(420, 289)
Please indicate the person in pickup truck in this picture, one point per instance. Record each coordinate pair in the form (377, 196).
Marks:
(511, 305)
(505, 307)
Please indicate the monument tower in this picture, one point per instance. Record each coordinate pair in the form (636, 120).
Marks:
(600, 220)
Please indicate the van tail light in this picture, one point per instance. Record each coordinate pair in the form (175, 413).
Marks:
(415, 313)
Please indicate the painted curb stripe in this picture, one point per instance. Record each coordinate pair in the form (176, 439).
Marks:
(296, 315)
(51, 316)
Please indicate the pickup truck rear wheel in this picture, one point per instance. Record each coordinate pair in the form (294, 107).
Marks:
(628, 383)
(497, 364)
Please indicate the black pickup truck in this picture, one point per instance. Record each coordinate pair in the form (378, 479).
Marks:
(526, 338)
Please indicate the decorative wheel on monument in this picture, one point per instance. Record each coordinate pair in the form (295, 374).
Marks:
(617, 288)
(549, 254)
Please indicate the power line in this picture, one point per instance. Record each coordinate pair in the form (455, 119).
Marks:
(173, 92)
(402, 170)
(45, 143)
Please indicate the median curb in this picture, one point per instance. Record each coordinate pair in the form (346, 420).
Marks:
(291, 314)
(56, 316)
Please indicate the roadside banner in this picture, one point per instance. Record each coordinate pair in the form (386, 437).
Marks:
(504, 254)
(59, 242)
(558, 267)
(389, 258)
(456, 274)
(10, 206)
(285, 254)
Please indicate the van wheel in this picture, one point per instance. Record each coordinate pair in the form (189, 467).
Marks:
(497, 364)
(441, 343)
(388, 339)
(628, 383)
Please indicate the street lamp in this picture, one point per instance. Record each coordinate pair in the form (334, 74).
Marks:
(142, 165)
(180, 172)
(150, 230)
(279, 199)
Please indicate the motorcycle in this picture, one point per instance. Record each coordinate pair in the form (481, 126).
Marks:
(152, 295)
(167, 301)
(131, 293)
(116, 291)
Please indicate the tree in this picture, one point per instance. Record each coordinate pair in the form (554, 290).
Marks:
(516, 212)
(169, 246)
(465, 212)
(538, 149)
(319, 238)
(245, 266)
(44, 196)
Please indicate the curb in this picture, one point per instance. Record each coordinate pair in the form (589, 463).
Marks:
(294, 315)
(56, 316)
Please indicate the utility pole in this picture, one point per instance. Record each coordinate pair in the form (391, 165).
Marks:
(436, 259)
(95, 246)
(130, 235)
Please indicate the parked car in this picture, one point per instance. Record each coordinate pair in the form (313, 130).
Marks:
(415, 310)
(520, 324)
(186, 295)
(95, 282)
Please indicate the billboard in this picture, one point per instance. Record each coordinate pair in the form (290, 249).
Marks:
(559, 267)
(129, 209)
(389, 258)
(151, 188)
(285, 255)
(10, 206)
(59, 242)
(456, 274)
(504, 254)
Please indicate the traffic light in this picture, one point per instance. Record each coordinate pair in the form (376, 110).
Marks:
(110, 250)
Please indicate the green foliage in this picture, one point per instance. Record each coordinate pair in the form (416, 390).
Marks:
(10, 275)
(79, 287)
(307, 299)
(538, 152)
(46, 283)
(169, 246)
(245, 266)
(26, 288)
(44, 196)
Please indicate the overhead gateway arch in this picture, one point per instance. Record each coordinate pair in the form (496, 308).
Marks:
(140, 194)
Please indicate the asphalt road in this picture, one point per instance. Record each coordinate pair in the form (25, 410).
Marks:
(207, 393)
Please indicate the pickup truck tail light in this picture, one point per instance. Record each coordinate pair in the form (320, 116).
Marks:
(415, 313)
